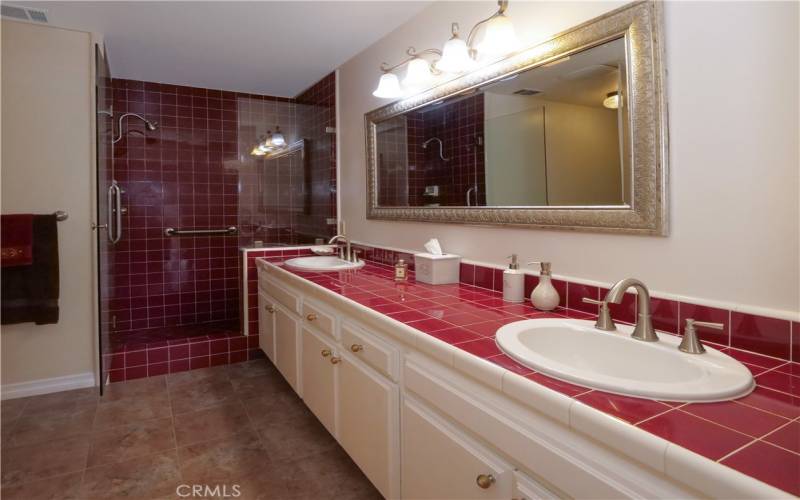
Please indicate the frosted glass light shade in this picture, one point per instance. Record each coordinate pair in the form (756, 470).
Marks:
(278, 140)
(500, 38)
(612, 100)
(388, 87)
(417, 74)
(455, 57)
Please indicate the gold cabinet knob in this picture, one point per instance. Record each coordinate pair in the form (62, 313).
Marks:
(311, 317)
(356, 347)
(325, 353)
(269, 309)
(485, 480)
(335, 360)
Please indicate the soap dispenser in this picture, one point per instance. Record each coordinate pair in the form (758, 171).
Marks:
(545, 296)
(513, 282)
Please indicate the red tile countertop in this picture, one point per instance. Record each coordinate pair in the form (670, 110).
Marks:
(758, 435)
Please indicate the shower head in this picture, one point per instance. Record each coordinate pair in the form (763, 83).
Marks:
(151, 125)
(147, 123)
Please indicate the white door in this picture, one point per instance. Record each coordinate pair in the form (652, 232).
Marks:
(440, 462)
(319, 378)
(369, 423)
(286, 340)
(266, 325)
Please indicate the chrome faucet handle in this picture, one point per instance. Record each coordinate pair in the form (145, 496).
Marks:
(354, 256)
(604, 321)
(691, 343)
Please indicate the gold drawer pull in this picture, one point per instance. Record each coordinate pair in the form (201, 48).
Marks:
(335, 360)
(356, 347)
(311, 317)
(485, 480)
(325, 353)
(270, 309)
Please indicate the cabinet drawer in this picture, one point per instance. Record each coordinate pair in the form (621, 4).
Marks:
(322, 321)
(372, 351)
(285, 297)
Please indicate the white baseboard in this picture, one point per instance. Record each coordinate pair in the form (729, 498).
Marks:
(47, 385)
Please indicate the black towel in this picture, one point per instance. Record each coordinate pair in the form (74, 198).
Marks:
(30, 293)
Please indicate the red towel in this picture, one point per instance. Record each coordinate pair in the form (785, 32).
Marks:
(16, 233)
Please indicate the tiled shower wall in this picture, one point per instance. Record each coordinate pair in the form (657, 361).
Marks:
(188, 174)
(176, 176)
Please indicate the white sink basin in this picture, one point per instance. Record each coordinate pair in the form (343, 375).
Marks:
(576, 352)
(321, 264)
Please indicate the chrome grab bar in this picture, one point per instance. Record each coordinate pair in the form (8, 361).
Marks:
(114, 216)
(171, 231)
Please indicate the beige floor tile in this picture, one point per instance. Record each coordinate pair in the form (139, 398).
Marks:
(52, 425)
(223, 460)
(66, 487)
(251, 369)
(22, 464)
(178, 381)
(212, 423)
(290, 440)
(142, 387)
(59, 402)
(131, 410)
(247, 387)
(275, 407)
(335, 475)
(125, 442)
(201, 395)
(10, 409)
(152, 476)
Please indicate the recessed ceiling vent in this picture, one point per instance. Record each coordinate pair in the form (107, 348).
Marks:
(527, 92)
(23, 13)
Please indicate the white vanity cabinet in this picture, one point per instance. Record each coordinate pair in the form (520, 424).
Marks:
(318, 366)
(369, 422)
(287, 335)
(266, 325)
(440, 462)
(423, 420)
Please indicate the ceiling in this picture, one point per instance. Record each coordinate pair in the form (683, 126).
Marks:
(275, 48)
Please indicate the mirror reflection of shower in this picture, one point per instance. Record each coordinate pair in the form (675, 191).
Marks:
(151, 125)
(441, 146)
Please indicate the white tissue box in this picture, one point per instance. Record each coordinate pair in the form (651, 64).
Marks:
(437, 269)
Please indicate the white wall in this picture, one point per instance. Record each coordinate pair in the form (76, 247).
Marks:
(47, 165)
(732, 88)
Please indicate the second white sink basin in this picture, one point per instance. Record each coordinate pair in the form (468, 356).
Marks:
(321, 264)
(576, 352)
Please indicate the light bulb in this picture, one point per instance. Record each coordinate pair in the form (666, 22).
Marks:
(500, 38)
(277, 138)
(257, 151)
(418, 73)
(388, 87)
(455, 57)
(612, 100)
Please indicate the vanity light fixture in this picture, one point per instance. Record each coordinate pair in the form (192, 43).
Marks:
(419, 73)
(612, 100)
(274, 141)
(457, 55)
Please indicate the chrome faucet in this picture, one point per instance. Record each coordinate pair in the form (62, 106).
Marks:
(644, 324)
(345, 253)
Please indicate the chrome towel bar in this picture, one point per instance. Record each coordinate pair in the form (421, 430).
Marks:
(171, 231)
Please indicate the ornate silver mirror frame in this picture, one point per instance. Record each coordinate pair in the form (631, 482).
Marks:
(640, 24)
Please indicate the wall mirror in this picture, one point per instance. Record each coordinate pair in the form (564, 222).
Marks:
(569, 134)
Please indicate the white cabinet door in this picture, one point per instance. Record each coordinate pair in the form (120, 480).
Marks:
(527, 488)
(440, 462)
(266, 325)
(369, 423)
(286, 342)
(319, 378)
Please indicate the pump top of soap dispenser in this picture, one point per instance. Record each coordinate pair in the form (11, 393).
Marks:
(514, 264)
(545, 268)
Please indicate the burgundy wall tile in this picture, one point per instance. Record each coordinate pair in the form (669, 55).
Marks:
(484, 277)
(665, 315)
(710, 314)
(467, 274)
(575, 294)
(796, 342)
(769, 336)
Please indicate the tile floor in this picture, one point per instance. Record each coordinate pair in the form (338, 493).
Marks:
(228, 425)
